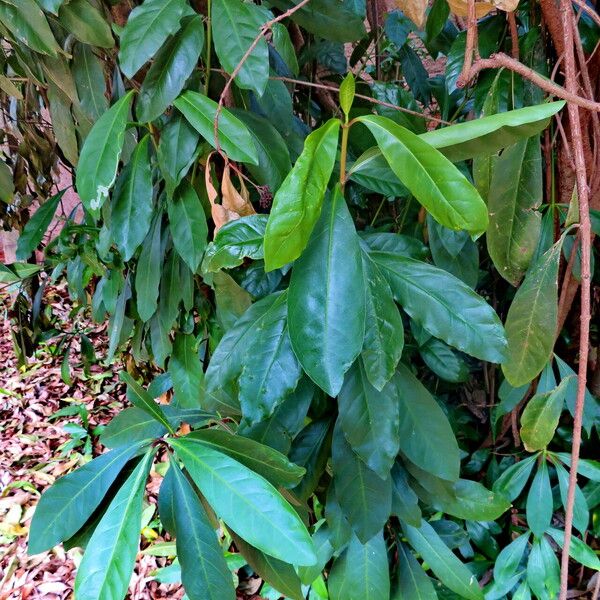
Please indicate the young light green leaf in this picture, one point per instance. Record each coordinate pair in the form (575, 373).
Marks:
(347, 90)
(86, 23)
(539, 501)
(139, 397)
(532, 314)
(99, 158)
(187, 222)
(247, 502)
(326, 303)
(370, 420)
(235, 25)
(147, 28)
(473, 501)
(234, 138)
(107, 564)
(65, 507)
(434, 181)
(540, 418)
(204, 572)
(131, 210)
(297, 203)
(25, 20)
(444, 306)
(170, 70)
(515, 194)
(426, 436)
(411, 581)
(361, 572)
(186, 372)
(450, 571)
(36, 227)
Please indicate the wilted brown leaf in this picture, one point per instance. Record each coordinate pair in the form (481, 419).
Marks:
(461, 8)
(415, 10)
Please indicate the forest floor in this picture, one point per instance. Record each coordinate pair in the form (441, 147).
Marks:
(33, 455)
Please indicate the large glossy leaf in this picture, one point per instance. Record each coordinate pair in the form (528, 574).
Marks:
(372, 171)
(450, 571)
(539, 500)
(426, 436)
(131, 210)
(235, 24)
(277, 573)
(148, 271)
(235, 241)
(86, 23)
(411, 582)
(35, 229)
(531, 320)
(130, 426)
(88, 72)
(405, 503)
(540, 418)
(147, 28)
(298, 201)
(272, 465)
(247, 502)
(99, 159)
(365, 497)
(188, 226)
(444, 306)
(107, 564)
(66, 506)
(361, 572)
(326, 304)
(370, 420)
(515, 194)
(433, 180)
(234, 137)
(204, 572)
(172, 66)
(25, 20)
(384, 331)
(186, 372)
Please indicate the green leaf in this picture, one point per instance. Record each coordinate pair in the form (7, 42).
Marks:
(166, 499)
(508, 561)
(513, 480)
(434, 181)
(188, 226)
(347, 91)
(270, 464)
(444, 361)
(326, 303)
(236, 240)
(186, 372)
(445, 306)
(405, 503)
(86, 23)
(63, 123)
(270, 368)
(7, 186)
(373, 172)
(426, 436)
(361, 572)
(485, 136)
(36, 227)
(384, 332)
(324, 552)
(450, 571)
(277, 573)
(297, 203)
(25, 20)
(235, 25)
(364, 496)
(139, 397)
(131, 426)
(51, 6)
(581, 515)
(107, 564)
(177, 150)
(99, 158)
(65, 507)
(515, 194)
(539, 501)
(148, 271)
(234, 138)
(170, 70)
(532, 320)
(411, 581)
(543, 570)
(579, 551)
(540, 418)
(395, 243)
(370, 420)
(148, 27)
(247, 502)
(132, 207)
(204, 572)
(88, 72)
(474, 502)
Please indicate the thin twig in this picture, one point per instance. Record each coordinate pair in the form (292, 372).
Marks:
(471, 45)
(266, 27)
(568, 25)
(514, 34)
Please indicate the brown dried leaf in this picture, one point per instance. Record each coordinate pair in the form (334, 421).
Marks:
(506, 5)
(415, 10)
(234, 200)
(461, 8)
